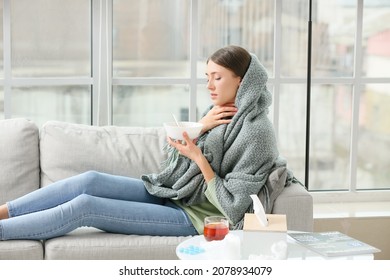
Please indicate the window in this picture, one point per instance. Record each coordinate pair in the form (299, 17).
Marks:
(134, 63)
(350, 57)
(47, 60)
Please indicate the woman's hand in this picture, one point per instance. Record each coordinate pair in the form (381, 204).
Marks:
(218, 115)
(189, 149)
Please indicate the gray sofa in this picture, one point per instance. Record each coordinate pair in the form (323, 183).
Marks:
(31, 158)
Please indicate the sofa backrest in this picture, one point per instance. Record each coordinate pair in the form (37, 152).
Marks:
(68, 149)
(19, 158)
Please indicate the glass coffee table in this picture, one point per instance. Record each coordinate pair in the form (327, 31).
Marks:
(252, 245)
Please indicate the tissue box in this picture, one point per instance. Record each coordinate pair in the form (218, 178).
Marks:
(276, 223)
(261, 242)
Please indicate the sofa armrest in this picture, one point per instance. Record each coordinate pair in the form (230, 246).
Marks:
(297, 204)
(19, 158)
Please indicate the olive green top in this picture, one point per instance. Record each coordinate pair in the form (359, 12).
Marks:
(198, 212)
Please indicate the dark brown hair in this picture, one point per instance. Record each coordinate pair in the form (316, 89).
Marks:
(234, 58)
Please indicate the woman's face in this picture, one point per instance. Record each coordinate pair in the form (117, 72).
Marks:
(222, 84)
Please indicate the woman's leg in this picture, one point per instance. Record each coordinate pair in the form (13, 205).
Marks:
(111, 215)
(91, 182)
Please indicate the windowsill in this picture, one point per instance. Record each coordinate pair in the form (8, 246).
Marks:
(348, 204)
(351, 209)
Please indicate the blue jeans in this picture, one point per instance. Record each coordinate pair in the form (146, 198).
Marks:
(111, 203)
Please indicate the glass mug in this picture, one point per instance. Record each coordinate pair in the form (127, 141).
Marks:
(215, 228)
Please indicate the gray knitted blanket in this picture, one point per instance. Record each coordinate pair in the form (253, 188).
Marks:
(242, 154)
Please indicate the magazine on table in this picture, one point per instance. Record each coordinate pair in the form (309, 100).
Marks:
(333, 243)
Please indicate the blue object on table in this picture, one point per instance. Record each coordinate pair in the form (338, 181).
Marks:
(192, 250)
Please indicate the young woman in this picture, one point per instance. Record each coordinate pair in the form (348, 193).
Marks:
(212, 175)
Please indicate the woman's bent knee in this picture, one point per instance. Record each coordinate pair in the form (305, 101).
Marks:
(88, 180)
(90, 175)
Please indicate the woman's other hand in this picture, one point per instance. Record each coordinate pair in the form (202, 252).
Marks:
(218, 115)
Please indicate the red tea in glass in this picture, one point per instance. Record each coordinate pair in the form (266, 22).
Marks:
(215, 228)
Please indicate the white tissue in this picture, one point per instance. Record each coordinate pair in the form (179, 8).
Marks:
(259, 210)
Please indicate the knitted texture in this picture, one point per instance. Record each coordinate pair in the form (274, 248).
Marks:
(241, 153)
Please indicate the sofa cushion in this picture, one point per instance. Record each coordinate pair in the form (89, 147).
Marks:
(68, 149)
(19, 158)
(93, 244)
(21, 250)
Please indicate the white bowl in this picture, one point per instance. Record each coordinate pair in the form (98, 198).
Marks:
(176, 132)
